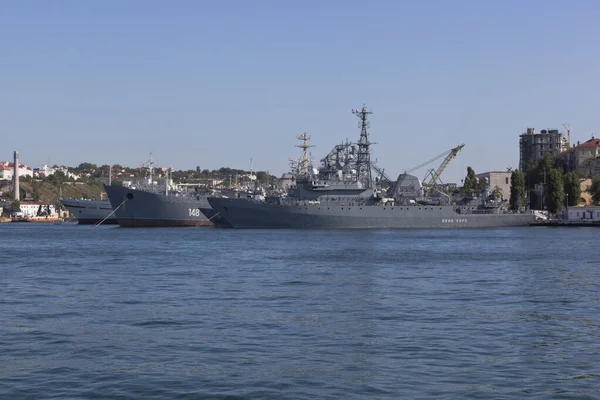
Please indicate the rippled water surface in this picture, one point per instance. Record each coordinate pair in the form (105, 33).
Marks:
(107, 312)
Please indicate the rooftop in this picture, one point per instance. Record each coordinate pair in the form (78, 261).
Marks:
(593, 142)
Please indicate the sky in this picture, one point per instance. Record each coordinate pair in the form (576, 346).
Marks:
(216, 84)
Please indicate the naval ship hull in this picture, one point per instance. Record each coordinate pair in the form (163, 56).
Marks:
(137, 208)
(90, 212)
(242, 213)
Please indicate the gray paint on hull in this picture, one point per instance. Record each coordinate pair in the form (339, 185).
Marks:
(108, 221)
(241, 213)
(147, 209)
(90, 212)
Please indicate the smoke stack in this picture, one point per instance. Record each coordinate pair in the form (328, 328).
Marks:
(16, 176)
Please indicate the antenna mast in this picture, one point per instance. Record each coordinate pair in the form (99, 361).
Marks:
(302, 167)
(363, 163)
(151, 164)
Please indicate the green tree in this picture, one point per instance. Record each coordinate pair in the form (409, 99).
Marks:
(545, 164)
(536, 172)
(16, 205)
(517, 190)
(572, 188)
(470, 181)
(57, 178)
(555, 194)
(35, 191)
(594, 189)
(88, 167)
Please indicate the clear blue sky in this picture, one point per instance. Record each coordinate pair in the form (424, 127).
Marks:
(217, 83)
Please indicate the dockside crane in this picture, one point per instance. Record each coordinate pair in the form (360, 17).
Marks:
(433, 176)
(444, 154)
(568, 136)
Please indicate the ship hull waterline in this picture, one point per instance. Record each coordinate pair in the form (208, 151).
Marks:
(241, 213)
(140, 209)
(90, 212)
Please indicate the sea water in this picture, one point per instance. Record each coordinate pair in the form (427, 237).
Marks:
(106, 312)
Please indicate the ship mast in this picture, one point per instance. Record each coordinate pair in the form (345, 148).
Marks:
(363, 163)
(151, 166)
(302, 167)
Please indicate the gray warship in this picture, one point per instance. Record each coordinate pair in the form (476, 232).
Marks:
(344, 193)
(90, 212)
(149, 204)
(147, 208)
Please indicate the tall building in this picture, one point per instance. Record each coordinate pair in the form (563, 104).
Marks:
(533, 146)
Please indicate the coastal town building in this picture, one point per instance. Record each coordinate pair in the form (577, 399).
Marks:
(533, 146)
(587, 162)
(46, 170)
(6, 173)
(37, 209)
(584, 213)
(7, 170)
(497, 180)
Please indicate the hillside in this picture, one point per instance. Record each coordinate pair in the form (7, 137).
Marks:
(51, 188)
(50, 193)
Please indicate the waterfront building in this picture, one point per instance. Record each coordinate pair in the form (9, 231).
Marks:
(586, 213)
(37, 209)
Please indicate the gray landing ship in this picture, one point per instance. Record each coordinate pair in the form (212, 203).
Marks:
(139, 208)
(343, 194)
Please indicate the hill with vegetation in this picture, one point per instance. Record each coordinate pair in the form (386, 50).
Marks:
(91, 178)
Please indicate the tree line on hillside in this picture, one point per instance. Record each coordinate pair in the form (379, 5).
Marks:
(91, 173)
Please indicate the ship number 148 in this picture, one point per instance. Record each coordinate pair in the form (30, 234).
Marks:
(194, 212)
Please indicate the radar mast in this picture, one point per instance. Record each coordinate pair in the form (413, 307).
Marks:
(302, 165)
(363, 162)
